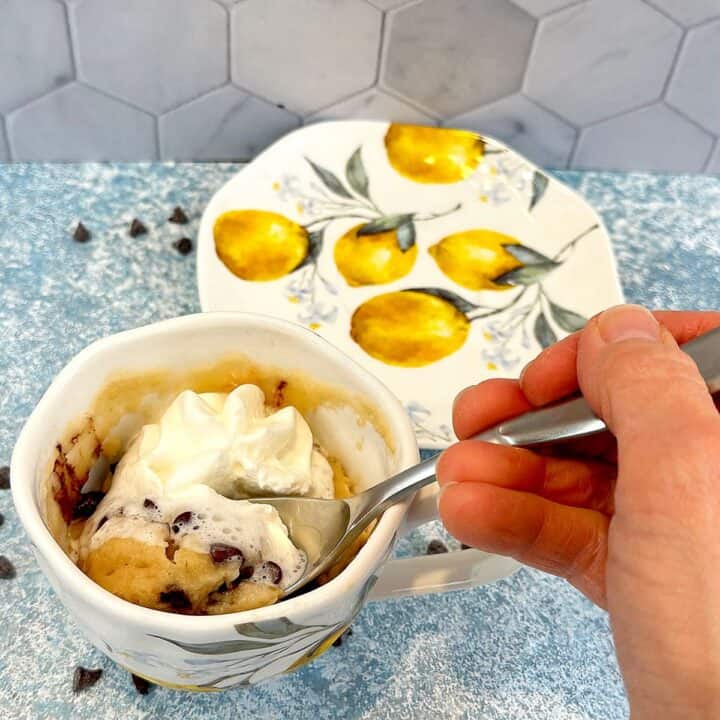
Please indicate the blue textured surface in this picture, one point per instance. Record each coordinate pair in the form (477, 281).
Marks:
(526, 648)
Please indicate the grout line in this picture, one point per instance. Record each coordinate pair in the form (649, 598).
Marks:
(674, 64)
(703, 23)
(531, 51)
(550, 111)
(716, 146)
(664, 13)
(684, 115)
(6, 135)
(156, 128)
(228, 21)
(432, 114)
(107, 94)
(572, 157)
(70, 30)
(381, 48)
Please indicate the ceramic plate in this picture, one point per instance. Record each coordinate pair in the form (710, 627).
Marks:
(436, 258)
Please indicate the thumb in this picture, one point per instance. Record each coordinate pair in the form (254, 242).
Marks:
(654, 400)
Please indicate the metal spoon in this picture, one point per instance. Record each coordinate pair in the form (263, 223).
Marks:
(323, 529)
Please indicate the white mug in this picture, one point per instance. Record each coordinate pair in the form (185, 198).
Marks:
(224, 651)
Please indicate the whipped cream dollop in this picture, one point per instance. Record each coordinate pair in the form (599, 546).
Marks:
(207, 452)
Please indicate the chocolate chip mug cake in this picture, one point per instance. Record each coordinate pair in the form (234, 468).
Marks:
(148, 496)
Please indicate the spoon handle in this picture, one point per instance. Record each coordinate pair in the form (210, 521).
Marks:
(567, 420)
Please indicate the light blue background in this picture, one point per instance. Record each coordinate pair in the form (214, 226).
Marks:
(526, 648)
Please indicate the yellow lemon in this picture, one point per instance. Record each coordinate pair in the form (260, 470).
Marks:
(318, 651)
(259, 245)
(409, 328)
(433, 155)
(372, 259)
(475, 258)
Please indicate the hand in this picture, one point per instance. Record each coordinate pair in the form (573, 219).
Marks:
(631, 519)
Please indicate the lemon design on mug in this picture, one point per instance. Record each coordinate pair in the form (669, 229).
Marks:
(373, 259)
(475, 259)
(433, 155)
(410, 328)
(260, 245)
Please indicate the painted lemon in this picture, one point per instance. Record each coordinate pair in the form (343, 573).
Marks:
(409, 328)
(372, 259)
(318, 651)
(433, 155)
(475, 258)
(259, 245)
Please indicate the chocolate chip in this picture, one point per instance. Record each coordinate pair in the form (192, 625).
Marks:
(184, 246)
(339, 641)
(4, 477)
(84, 678)
(7, 569)
(436, 547)
(81, 234)
(269, 572)
(170, 550)
(180, 520)
(87, 504)
(178, 216)
(103, 520)
(137, 228)
(141, 684)
(176, 599)
(148, 504)
(220, 552)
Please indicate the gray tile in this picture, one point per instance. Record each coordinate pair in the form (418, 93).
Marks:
(4, 150)
(653, 138)
(155, 54)
(226, 124)
(604, 57)
(34, 50)
(373, 105)
(521, 124)
(306, 54)
(714, 165)
(689, 12)
(388, 4)
(78, 123)
(452, 55)
(538, 8)
(695, 85)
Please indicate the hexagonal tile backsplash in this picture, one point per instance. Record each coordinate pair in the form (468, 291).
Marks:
(619, 84)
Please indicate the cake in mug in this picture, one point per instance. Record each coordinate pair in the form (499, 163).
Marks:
(148, 495)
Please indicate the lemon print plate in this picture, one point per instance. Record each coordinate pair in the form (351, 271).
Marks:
(435, 257)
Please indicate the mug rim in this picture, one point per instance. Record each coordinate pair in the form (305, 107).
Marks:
(24, 472)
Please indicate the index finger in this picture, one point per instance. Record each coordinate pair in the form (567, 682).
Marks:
(552, 374)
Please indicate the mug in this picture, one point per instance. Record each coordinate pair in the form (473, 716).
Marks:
(225, 651)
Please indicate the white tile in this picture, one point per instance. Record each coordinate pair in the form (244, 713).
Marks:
(306, 54)
(600, 58)
(78, 123)
(225, 124)
(156, 54)
(654, 138)
(695, 85)
(714, 166)
(452, 55)
(689, 12)
(34, 50)
(525, 127)
(538, 8)
(373, 105)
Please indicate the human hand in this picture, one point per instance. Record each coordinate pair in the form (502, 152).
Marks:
(631, 519)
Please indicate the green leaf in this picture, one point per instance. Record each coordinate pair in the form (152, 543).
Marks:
(539, 186)
(526, 255)
(356, 176)
(330, 180)
(406, 235)
(528, 275)
(384, 224)
(315, 244)
(459, 303)
(567, 319)
(544, 334)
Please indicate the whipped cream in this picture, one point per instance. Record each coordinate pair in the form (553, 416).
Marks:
(207, 452)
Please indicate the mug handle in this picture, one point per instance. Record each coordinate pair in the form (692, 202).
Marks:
(436, 573)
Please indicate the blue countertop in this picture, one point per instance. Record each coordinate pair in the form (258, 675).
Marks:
(526, 648)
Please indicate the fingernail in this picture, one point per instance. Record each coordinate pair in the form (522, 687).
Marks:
(461, 393)
(626, 322)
